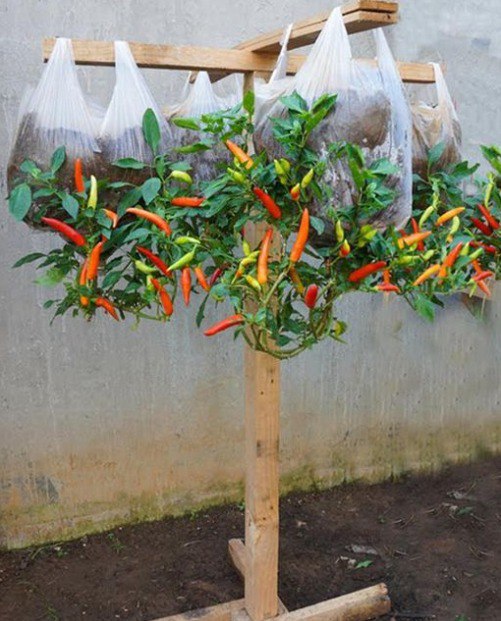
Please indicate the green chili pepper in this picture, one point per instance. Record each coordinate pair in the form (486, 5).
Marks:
(253, 282)
(149, 284)
(142, 267)
(246, 247)
(477, 253)
(183, 239)
(92, 202)
(408, 259)
(249, 259)
(186, 259)
(456, 222)
(235, 175)
(279, 168)
(285, 164)
(307, 179)
(181, 175)
(465, 250)
(426, 214)
(428, 254)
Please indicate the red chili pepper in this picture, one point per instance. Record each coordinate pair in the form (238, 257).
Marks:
(215, 275)
(450, 259)
(186, 284)
(112, 216)
(345, 249)
(165, 298)
(79, 180)
(483, 275)
(229, 322)
(108, 307)
(266, 200)
(310, 297)
(486, 247)
(239, 153)
(155, 260)
(187, 201)
(93, 263)
(482, 227)
(65, 229)
(388, 288)
(151, 217)
(302, 236)
(415, 228)
(366, 270)
(262, 262)
(82, 281)
(491, 220)
(202, 281)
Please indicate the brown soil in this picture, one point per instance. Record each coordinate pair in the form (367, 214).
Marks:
(436, 543)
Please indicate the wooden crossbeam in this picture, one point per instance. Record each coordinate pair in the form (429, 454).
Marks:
(219, 62)
(358, 16)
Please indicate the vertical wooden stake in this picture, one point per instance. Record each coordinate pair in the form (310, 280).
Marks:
(262, 429)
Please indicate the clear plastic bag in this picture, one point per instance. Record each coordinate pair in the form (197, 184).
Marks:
(121, 133)
(202, 99)
(433, 124)
(52, 115)
(371, 112)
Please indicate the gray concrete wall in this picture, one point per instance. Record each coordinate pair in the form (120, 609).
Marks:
(100, 424)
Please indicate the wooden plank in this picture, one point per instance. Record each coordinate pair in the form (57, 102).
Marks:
(220, 612)
(360, 605)
(236, 549)
(156, 56)
(358, 16)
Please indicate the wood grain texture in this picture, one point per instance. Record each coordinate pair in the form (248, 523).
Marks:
(220, 612)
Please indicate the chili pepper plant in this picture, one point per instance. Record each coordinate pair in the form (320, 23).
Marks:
(144, 250)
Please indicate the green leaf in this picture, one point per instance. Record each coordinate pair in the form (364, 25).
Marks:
(196, 147)
(49, 303)
(129, 199)
(317, 224)
(150, 189)
(383, 167)
(30, 168)
(363, 564)
(201, 312)
(20, 201)
(129, 162)
(151, 129)
(424, 307)
(52, 277)
(435, 153)
(137, 234)
(186, 123)
(70, 204)
(29, 258)
(294, 102)
(249, 102)
(111, 279)
(58, 159)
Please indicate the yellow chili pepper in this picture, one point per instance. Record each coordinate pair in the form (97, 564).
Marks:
(339, 231)
(246, 247)
(181, 175)
(253, 282)
(426, 214)
(183, 239)
(428, 273)
(448, 215)
(454, 228)
(142, 267)
(92, 202)
(235, 175)
(307, 179)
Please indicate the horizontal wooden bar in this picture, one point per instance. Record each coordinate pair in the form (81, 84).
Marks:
(358, 16)
(219, 62)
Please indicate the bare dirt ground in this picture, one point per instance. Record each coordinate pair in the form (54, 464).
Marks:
(435, 540)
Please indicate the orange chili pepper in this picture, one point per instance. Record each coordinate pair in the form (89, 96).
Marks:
(229, 322)
(202, 281)
(151, 217)
(165, 298)
(296, 280)
(388, 288)
(416, 229)
(428, 273)
(108, 307)
(240, 154)
(79, 180)
(93, 263)
(415, 238)
(186, 284)
(483, 275)
(448, 215)
(187, 201)
(262, 262)
(345, 249)
(483, 287)
(112, 216)
(295, 192)
(386, 277)
(450, 259)
(82, 280)
(302, 237)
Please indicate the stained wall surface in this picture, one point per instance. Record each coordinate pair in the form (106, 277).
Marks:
(100, 424)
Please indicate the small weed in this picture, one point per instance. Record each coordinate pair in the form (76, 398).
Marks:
(461, 618)
(115, 543)
(363, 564)
(52, 614)
(241, 506)
(465, 511)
